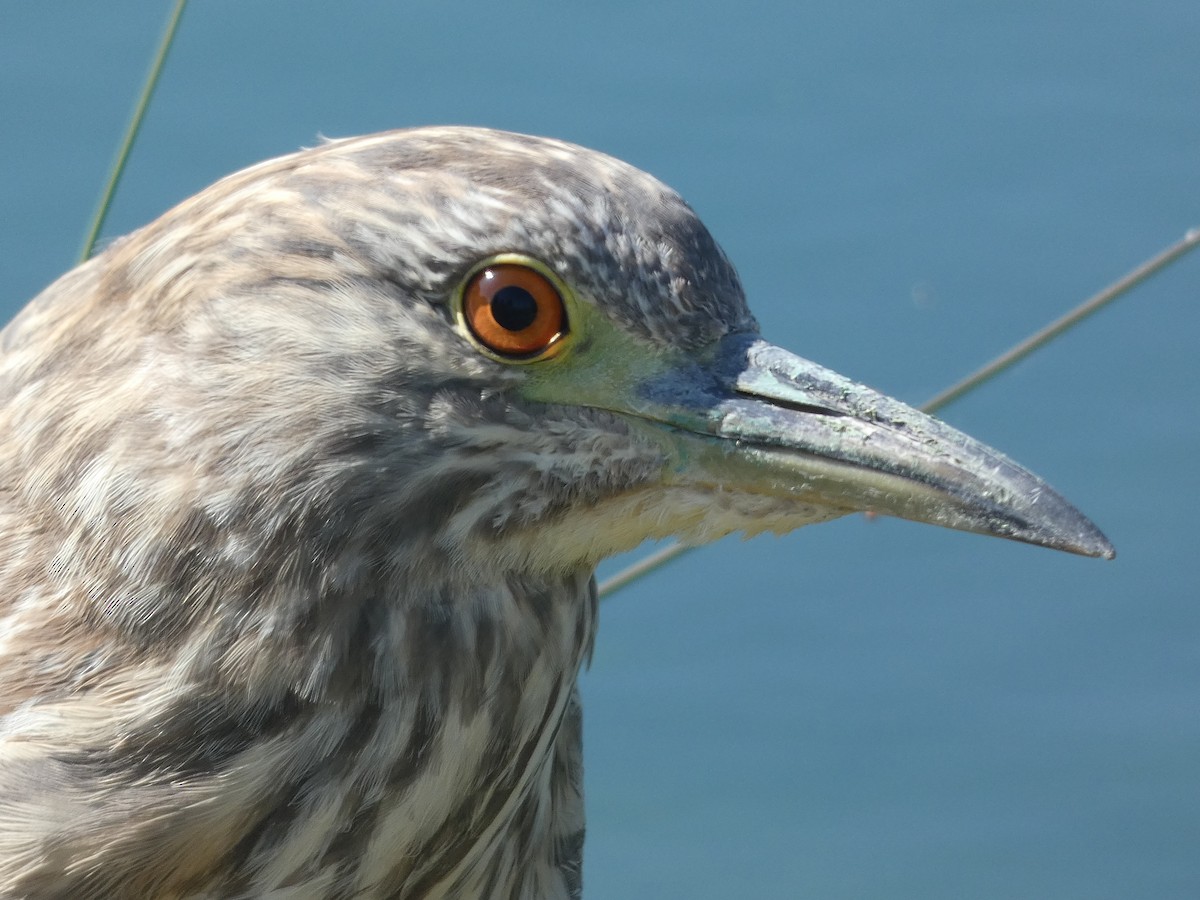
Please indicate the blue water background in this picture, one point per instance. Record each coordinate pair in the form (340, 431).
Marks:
(859, 709)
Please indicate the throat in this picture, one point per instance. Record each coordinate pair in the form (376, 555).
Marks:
(457, 754)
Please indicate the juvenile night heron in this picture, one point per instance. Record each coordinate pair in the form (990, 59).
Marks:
(303, 487)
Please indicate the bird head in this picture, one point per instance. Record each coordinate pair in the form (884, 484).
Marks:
(605, 382)
(507, 352)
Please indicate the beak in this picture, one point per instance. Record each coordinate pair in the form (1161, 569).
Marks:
(757, 419)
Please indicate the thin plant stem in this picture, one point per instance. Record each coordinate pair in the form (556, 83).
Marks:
(131, 133)
(1059, 326)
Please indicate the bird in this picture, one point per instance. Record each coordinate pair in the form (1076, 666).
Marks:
(304, 486)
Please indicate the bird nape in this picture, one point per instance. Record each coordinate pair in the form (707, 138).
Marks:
(304, 485)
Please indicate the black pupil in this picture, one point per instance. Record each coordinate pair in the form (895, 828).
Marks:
(514, 308)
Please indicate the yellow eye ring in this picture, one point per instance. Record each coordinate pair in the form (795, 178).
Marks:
(514, 308)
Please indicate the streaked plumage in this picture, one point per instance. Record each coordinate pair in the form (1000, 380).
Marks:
(296, 580)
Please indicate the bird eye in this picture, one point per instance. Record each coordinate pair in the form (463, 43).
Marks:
(514, 310)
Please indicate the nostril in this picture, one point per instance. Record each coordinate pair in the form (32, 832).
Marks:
(809, 408)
